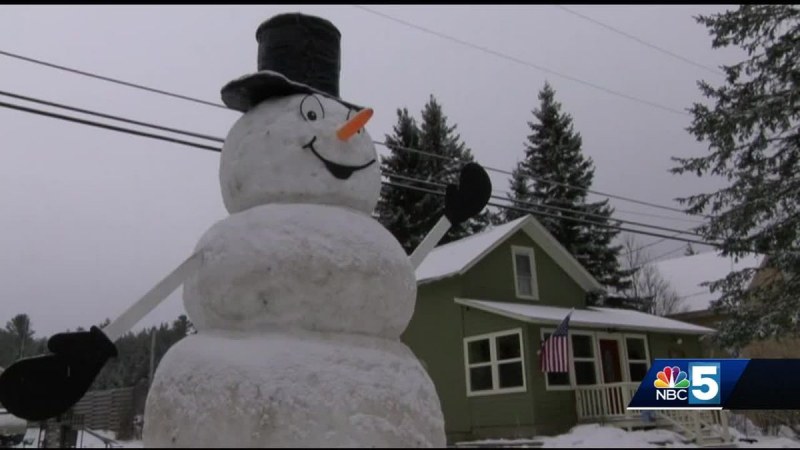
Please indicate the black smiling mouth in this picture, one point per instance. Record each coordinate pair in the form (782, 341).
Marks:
(339, 171)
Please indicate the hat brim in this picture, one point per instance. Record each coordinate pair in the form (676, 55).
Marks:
(244, 93)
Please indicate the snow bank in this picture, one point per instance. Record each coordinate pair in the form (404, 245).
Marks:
(599, 436)
(594, 435)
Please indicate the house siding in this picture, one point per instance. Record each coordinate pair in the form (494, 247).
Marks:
(554, 410)
(435, 336)
(510, 414)
(493, 277)
(664, 345)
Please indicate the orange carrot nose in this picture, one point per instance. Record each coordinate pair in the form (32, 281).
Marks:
(355, 123)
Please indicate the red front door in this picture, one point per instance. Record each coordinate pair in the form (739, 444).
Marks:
(611, 361)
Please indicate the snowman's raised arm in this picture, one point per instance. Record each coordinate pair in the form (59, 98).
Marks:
(152, 298)
(461, 202)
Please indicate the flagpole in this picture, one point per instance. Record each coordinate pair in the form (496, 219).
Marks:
(570, 362)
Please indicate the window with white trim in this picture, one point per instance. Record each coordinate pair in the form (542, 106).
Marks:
(494, 363)
(525, 273)
(637, 356)
(583, 363)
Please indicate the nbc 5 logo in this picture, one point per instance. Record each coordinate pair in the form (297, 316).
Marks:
(700, 386)
(705, 383)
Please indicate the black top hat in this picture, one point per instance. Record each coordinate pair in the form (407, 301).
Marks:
(296, 54)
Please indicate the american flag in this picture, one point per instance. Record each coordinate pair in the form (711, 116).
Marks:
(554, 354)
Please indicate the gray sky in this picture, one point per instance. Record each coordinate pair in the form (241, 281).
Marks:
(92, 219)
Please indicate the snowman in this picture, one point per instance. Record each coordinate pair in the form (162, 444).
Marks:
(299, 296)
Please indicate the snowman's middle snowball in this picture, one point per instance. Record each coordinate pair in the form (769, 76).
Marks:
(314, 267)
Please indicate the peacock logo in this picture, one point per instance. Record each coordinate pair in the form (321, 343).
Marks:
(671, 378)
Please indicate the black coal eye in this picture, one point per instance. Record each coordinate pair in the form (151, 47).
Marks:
(311, 108)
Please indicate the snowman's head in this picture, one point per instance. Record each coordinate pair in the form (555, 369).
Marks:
(303, 148)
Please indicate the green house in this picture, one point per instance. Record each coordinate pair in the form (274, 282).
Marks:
(485, 304)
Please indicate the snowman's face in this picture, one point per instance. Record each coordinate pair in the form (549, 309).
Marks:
(286, 150)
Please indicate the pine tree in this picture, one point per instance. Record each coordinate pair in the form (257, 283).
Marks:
(409, 214)
(556, 173)
(751, 127)
(519, 193)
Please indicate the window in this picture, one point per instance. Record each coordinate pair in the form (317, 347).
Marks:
(584, 365)
(555, 380)
(584, 360)
(494, 363)
(638, 359)
(525, 273)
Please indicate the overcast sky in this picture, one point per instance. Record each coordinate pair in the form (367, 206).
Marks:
(92, 219)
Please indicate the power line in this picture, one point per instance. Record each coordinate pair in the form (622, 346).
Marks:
(541, 180)
(221, 140)
(657, 257)
(543, 214)
(630, 230)
(641, 41)
(634, 250)
(658, 216)
(109, 116)
(111, 80)
(216, 149)
(523, 62)
(107, 127)
(550, 207)
(692, 295)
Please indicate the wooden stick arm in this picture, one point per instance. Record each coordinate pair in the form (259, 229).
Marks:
(152, 298)
(431, 239)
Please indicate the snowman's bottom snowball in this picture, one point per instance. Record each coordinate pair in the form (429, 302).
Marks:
(292, 389)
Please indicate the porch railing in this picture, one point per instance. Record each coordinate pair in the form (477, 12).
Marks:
(608, 403)
(605, 401)
(702, 427)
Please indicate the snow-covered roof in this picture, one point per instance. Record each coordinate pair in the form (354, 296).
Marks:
(592, 317)
(457, 257)
(685, 274)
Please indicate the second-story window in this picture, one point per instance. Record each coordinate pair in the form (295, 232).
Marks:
(525, 273)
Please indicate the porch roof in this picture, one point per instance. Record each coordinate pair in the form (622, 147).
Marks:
(592, 317)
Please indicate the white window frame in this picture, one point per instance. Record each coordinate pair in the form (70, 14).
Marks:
(572, 383)
(557, 387)
(595, 359)
(595, 336)
(527, 251)
(628, 361)
(493, 362)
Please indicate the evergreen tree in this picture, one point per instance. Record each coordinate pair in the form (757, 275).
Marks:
(408, 214)
(519, 193)
(553, 160)
(751, 127)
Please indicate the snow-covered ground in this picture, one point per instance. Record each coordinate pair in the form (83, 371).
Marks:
(580, 436)
(611, 437)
